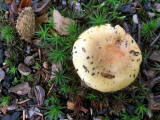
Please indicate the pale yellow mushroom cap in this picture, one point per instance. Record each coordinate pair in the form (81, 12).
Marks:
(106, 58)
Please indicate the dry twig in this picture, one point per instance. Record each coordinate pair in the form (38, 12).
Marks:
(155, 40)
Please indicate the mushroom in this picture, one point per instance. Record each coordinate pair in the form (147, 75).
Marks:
(26, 24)
(106, 58)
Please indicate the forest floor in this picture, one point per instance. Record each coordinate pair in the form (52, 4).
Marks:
(38, 79)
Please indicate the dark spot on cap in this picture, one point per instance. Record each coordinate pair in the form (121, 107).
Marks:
(132, 60)
(118, 42)
(84, 39)
(93, 68)
(74, 47)
(85, 68)
(88, 57)
(91, 62)
(126, 44)
(93, 74)
(138, 60)
(132, 41)
(130, 75)
(134, 52)
(75, 52)
(134, 75)
(107, 75)
(83, 49)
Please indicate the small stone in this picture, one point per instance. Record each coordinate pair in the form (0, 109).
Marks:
(21, 89)
(29, 60)
(5, 6)
(127, 9)
(24, 70)
(135, 18)
(148, 6)
(157, 6)
(151, 14)
(2, 74)
(6, 83)
(64, 2)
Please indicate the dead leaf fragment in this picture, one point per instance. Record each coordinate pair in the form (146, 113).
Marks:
(155, 56)
(40, 20)
(154, 102)
(40, 94)
(61, 23)
(55, 68)
(25, 3)
(21, 89)
(8, 1)
(71, 106)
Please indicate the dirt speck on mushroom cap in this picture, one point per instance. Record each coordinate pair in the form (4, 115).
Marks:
(115, 56)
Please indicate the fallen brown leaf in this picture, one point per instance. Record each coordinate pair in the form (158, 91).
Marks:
(8, 1)
(55, 68)
(40, 20)
(40, 94)
(25, 3)
(72, 106)
(21, 89)
(61, 23)
(4, 109)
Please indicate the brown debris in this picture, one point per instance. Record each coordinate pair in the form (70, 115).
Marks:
(154, 102)
(71, 106)
(155, 56)
(21, 89)
(25, 3)
(40, 94)
(61, 23)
